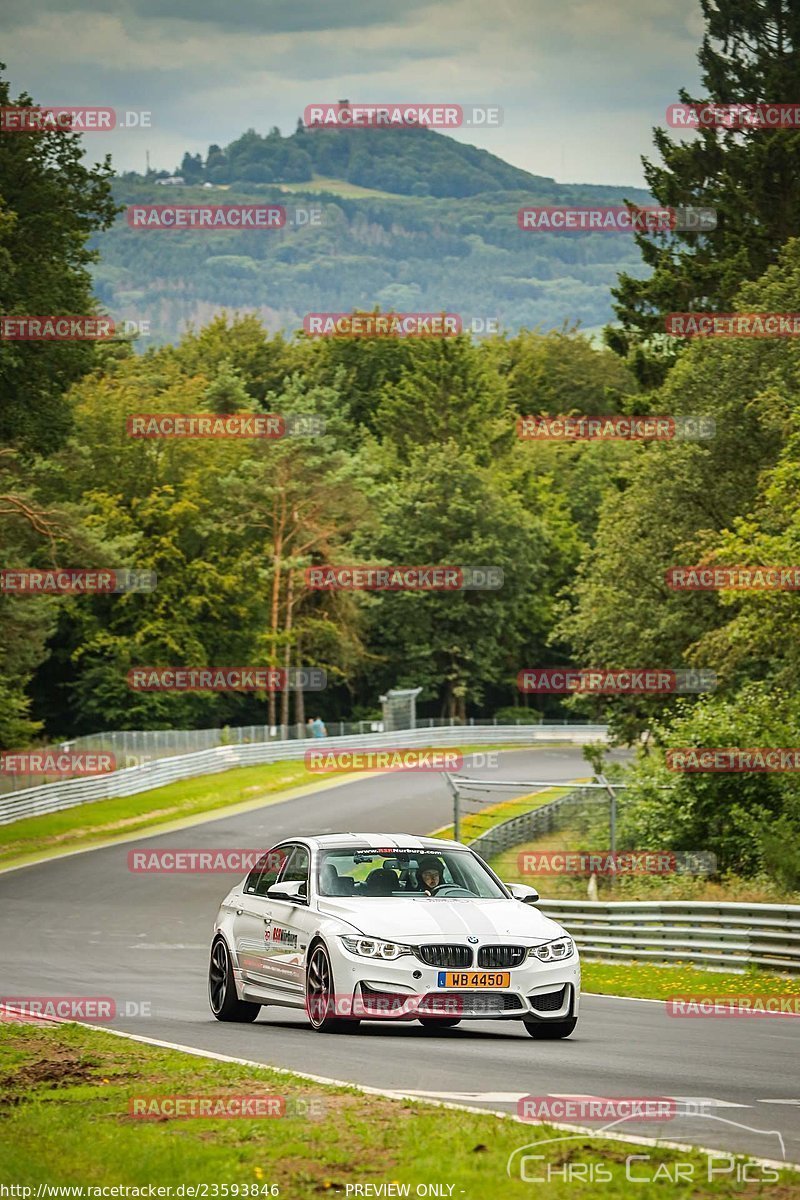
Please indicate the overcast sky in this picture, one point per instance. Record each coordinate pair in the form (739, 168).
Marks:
(581, 82)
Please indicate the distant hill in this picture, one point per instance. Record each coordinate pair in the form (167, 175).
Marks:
(411, 220)
(405, 162)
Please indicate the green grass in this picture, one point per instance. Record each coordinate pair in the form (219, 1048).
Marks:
(474, 824)
(65, 1096)
(649, 981)
(86, 824)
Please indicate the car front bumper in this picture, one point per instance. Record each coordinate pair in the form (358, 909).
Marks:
(407, 989)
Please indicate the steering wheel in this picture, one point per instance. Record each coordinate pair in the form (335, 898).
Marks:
(451, 887)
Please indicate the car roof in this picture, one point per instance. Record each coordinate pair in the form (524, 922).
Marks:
(378, 841)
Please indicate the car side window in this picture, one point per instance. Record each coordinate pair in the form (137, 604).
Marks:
(296, 870)
(264, 873)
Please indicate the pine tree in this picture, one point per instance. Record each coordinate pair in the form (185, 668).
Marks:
(750, 176)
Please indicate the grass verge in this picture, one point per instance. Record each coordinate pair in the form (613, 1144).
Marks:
(102, 820)
(650, 981)
(476, 823)
(65, 1119)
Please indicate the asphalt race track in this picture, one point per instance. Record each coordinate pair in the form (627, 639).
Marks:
(85, 925)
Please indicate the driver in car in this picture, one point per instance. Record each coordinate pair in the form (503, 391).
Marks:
(430, 874)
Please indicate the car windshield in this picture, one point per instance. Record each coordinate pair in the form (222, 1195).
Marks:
(449, 874)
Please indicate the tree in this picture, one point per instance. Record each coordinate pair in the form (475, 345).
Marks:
(227, 393)
(240, 343)
(444, 507)
(750, 176)
(160, 506)
(734, 815)
(27, 526)
(678, 502)
(446, 392)
(50, 205)
(191, 168)
(299, 498)
(562, 371)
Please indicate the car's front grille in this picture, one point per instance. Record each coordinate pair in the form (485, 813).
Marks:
(469, 1004)
(501, 956)
(455, 957)
(548, 1001)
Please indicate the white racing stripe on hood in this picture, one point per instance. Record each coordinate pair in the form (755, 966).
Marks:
(414, 919)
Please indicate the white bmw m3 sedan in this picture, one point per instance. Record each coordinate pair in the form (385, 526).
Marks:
(389, 927)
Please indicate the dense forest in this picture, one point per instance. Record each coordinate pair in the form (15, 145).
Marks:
(409, 219)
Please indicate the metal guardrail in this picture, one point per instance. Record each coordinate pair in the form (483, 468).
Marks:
(528, 825)
(132, 747)
(715, 934)
(709, 933)
(53, 797)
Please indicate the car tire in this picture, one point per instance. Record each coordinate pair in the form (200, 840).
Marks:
(549, 1030)
(320, 992)
(222, 998)
(439, 1022)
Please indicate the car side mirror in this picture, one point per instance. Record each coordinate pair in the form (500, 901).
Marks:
(295, 892)
(521, 891)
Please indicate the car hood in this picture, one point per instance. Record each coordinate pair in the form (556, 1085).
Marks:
(416, 920)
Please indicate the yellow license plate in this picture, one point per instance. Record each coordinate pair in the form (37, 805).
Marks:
(474, 979)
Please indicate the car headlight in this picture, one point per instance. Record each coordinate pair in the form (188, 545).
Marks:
(375, 948)
(553, 951)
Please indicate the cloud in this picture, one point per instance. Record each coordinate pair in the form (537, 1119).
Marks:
(581, 84)
(253, 16)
